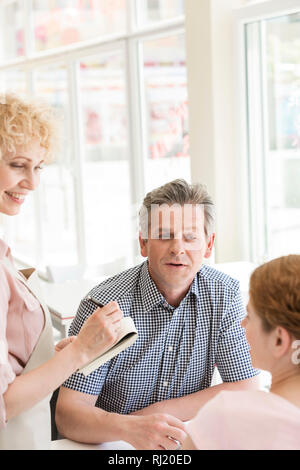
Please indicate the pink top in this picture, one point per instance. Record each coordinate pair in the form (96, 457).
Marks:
(246, 421)
(21, 323)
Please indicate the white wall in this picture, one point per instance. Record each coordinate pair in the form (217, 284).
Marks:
(211, 58)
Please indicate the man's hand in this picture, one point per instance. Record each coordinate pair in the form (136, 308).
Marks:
(155, 432)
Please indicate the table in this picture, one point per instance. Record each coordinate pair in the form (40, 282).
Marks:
(63, 300)
(66, 444)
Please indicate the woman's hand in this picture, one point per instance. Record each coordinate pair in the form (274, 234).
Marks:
(98, 333)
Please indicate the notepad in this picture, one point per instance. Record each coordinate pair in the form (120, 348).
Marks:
(126, 338)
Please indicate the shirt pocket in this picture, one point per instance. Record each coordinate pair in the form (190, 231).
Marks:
(196, 372)
(33, 320)
(30, 301)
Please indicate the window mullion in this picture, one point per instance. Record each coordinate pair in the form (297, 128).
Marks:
(265, 135)
(28, 27)
(76, 129)
(256, 141)
(38, 199)
(132, 16)
(136, 154)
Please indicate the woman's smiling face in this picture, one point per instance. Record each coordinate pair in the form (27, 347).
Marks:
(19, 174)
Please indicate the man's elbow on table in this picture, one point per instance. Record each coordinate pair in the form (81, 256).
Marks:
(69, 414)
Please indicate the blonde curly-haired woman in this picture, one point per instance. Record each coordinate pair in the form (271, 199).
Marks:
(29, 369)
(259, 420)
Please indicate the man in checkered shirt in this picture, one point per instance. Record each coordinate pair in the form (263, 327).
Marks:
(188, 318)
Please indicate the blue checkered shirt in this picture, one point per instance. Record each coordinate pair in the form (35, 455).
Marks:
(177, 348)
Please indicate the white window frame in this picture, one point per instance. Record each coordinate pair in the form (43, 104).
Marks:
(255, 216)
(129, 42)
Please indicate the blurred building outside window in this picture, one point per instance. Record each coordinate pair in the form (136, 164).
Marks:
(86, 208)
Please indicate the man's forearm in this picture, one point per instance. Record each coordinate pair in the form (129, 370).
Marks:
(90, 425)
(185, 408)
(80, 420)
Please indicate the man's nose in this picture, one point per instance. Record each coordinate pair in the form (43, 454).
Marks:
(177, 246)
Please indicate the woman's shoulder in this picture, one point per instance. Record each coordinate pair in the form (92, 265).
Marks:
(246, 420)
(251, 407)
(250, 403)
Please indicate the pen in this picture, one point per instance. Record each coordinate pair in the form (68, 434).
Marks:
(94, 301)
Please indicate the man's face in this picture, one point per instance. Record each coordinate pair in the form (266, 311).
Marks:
(176, 245)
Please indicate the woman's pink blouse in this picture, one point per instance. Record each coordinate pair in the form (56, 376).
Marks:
(246, 420)
(21, 323)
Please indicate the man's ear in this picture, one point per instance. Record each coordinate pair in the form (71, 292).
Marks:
(210, 246)
(143, 246)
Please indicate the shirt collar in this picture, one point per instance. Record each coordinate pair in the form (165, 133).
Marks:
(150, 294)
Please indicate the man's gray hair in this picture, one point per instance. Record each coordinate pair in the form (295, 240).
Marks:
(179, 192)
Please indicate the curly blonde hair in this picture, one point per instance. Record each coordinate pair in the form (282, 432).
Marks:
(275, 294)
(22, 121)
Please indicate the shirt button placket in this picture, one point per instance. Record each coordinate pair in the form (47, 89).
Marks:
(168, 356)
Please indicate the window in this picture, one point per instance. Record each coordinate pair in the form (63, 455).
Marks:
(166, 110)
(116, 72)
(58, 23)
(151, 11)
(12, 27)
(56, 196)
(273, 129)
(106, 180)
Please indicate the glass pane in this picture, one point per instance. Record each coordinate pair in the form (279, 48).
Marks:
(150, 11)
(61, 22)
(106, 168)
(13, 81)
(283, 123)
(20, 233)
(165, 79)
(56, 193)
(12, 31)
